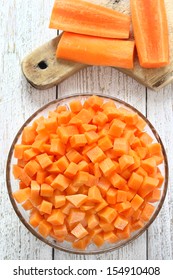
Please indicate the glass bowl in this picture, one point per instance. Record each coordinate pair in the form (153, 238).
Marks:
(12, 183)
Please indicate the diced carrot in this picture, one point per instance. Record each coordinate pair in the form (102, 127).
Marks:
(56, 218)
(130, 194)
(96, 154)
(46, 190)
(87, 127)
(74, 156)
(154, 196)
(121, 146)
(136, 202)
(93, 221)
(121, 196)
(149, 165)
(141, 172)
(108, 214)
(135, 181)
(145, 139)
(81, 178)
(98, 239)
(44, 160)
(82, 243)
(62, 163)
(44, 228)
(117, 181)
(31, 168)
(84, 116)
(100, 206)
(41, 176)
(91, 136)
(123, 234)
(49, 179)
(103, 185)
(35, 218)
(100, 119)
(107, 166)
(46, 207)
(117, 128)
(106, 227)
(28, 135)
(29, 154)
(137, 225)
(22, 195)
(94, 101)
(78, 140)
(60, 230)
(111, 196)
(110, 237)
(105, 143)
(123, 206)
(120, 223)
(17, 171)
(142, 152)
(60, 182)
(71, 170)
(79, 231)
(147, 212)
(19, 150)
(125, 161)
(57, 147)
(77, 200)
(148, 185)
(64, 117)
(22, 185)
(96, 170)
(94, 194)
(59, 201)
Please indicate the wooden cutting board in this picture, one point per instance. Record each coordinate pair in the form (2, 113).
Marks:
(43, 70)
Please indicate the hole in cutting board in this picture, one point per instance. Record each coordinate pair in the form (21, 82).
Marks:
(42, 65)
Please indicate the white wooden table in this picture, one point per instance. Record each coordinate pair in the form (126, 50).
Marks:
(23, 27)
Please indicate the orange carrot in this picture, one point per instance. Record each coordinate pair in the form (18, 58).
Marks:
(84, 49)
(152, 46)
(88, 18)
(79, 231)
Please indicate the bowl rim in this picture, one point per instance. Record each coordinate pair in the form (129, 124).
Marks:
(105, 250)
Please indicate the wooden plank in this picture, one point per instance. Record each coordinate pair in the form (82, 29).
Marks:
(160, 234)
(27, 28)
(58, 70)
(105, 80)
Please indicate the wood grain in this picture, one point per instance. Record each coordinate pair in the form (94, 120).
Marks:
(58, 70)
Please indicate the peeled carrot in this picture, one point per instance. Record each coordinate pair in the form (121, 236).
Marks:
(151, 32)
(88, 18)
(90, 175)
(84, 49)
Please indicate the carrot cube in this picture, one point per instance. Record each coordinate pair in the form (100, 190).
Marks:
(147, 212)
(121, 196)
(136, 202)
(78, 140)
(117, 181)
(57, 147)
(107, 166)
(120, 223)
(79, 231)
(59, 200)
(62, 163)
(46, 190)
(77, 200)
(121, 146)
(44, 228)
(56, 218)
(71, 170)
(125, 161)
(116, 128)
(148, 185)
(44, 160)
(35, 218)
(108, 214)
(91, 137)
(31, 168)
(111, 196)
(135, 181)
(61, 182)
(74, 156)
(46, 207)
(93, 221)
(94, 194)
(22, 194)
(96, 154)
(98, 239)
(105, 143)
